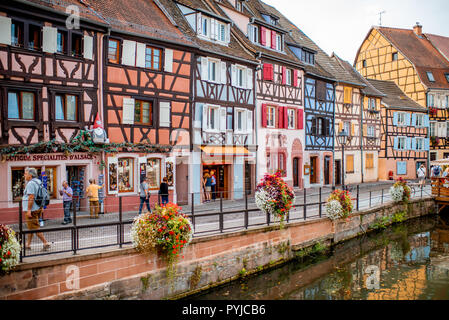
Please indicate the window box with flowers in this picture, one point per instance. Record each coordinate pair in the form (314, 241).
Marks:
(433, 111)
(435, 141)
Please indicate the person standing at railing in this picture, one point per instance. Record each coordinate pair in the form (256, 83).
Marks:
(92, 194)
(144, 195)
(163, 191)
(67, 197)
(33, 210)
(213, 184)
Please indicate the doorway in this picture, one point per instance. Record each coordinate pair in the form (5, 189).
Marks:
(221, 176)
(327, 171)
(248, 179)
(313, 170)
(297, 174)
(76, 180)
(337, 172)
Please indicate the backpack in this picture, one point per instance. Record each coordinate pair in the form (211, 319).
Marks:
(42, 198)
(436, 170)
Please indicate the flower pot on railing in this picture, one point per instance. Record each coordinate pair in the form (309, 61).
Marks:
(339, 205)
(9, 250)
(400, 191)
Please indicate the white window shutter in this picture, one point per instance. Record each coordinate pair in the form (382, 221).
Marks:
(250, 32)
(244, 121)
(234, 75)
(223, 119)
(205, 111)
(164, 114)
(140, 55)
(204, 70)
(249, 128)
(228, 33)
(223, 72)
(217, 118)
(129, 53)
(88, 47)
(209, 28)
(213, 29)
(236, 120)
(249, 78)
(199, 23)
(129, 105)
(168, 63)
(111, 162)
(5, 30)
(49, 39)
(443, 129)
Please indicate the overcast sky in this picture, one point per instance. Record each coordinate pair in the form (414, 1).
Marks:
(340, 26)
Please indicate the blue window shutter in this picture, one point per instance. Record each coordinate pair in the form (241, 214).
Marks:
(407, 119)
(395, 119)
(413, 124)
(401, 167)
(409, 143)
(427, 144)
(396, 143)
(413, 144)
(426, 120)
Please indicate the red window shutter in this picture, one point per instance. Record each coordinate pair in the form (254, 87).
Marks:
(280, 117)
(263, 36)
(271, 73)
(285, 118)
(268, 71)
(273, 39)
(295, 78)
(264, 115)
(284, 75)
(300, 119)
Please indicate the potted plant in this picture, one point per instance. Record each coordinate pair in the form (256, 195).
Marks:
(400, 191)
(339, 205)
(165, 231)
(274, 196)
(433, 111)
(9, 250)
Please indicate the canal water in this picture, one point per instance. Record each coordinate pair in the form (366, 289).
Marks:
(409, 261)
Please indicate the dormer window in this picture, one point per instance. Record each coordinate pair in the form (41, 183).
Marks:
(239, 5)
(430, 76)
(271, 20)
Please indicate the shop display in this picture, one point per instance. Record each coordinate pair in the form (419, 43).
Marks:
(125, 175)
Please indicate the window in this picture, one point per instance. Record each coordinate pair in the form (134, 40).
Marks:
(278, 42)
(394, 56)
(34, 37)
(371, 130)
(152, 58)
(289, 77)
(241, 77)
(281, 162)
(402, 143)
(21, 105)
(402, 121)
(61, 42)
(238, 5)
(114, 51)
(369, 161)
(212, 70)
(154, 173)
(254, 33)
(18, 181)
(229, 122)
(206, 25)
(308, 57)
(221, 32)
(447, 76)
(66, 107)
(433, 126)
(212, 118)
(17, 34)
(447, 129)
(350, 163)
(143, 112)
(372, 105)
(433, 156)
(430, 76)
(125, 173)
(268, 162)
(321, 127)
(77, 50)
(430, 100)
(420, 120)
(364, 63)
(420, 144)
(271, 117)
(347, 127)
(291, 118)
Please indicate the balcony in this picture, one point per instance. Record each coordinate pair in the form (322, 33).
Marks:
(223, 138)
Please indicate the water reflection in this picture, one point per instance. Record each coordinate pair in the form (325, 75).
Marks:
(405, 262)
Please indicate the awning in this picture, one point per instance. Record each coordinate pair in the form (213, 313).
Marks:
(440, 162)
(225, 151)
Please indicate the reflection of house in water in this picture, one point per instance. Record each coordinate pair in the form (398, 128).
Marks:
(440, 237)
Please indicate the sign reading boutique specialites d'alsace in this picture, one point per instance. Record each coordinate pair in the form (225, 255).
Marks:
(50, 157)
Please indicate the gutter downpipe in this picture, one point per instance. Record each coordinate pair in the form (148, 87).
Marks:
(334, 137)
(361, 137)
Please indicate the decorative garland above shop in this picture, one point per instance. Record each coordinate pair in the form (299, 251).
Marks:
(81, 143)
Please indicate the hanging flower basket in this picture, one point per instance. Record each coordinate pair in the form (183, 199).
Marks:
(400, 191)
(165, 231)
(9, 250)
(433, 111)
(339, 205)
(275, 197)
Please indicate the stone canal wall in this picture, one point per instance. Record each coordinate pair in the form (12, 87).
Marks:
(208, 261)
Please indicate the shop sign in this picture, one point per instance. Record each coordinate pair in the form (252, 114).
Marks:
(49, 157)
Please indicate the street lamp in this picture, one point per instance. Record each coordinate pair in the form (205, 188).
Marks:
(342, 139)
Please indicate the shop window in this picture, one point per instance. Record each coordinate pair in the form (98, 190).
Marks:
(114, 51)
(21, 105)
(143, 112)
(125, 175)
(152, 58)
(154, 173)
(66, 107)
(169, 173)
(18, 181)
(113, 184)
(77, 45)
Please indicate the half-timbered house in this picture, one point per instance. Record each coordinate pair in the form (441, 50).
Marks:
(49, 91)
(404, 142)
(415, 61)
(146, 99)
(223, 111)
(279, 78)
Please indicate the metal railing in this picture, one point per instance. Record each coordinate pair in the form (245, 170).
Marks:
(207, 219)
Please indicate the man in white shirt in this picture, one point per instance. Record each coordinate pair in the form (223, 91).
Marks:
(421, 172)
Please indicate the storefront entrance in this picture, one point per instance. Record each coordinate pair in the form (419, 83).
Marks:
(221, 175)
(76, 178)
(313, 170)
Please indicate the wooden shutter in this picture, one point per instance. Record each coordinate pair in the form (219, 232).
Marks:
(223, 73)
(280, 117)
(233, 75)
(270, 72)
(213, 29)
(264, 115)
(347, 95)
(427, 144)
(340, 126)
(88, 47)
(129, 53)
(249, 78)
(223, 119)
(314, 122)
(295, 78)
(284, 75)
(413, 144)
(396, 143)
(5, 30)
(140, 54)
(320, 90)
(349, 163)
(395, 119)
(49, 39)
(205, 111)
(327, 127)
(199, 25)
(413, 123)
(273, 39)
(204, 71)
(249, 128)
(365, 130)
(250, 32)
(168, 60)
(300, 119)
(128, 111)
(164, 114)
(408, 144)
(263, 36)
(353, 129)
(228, 33)
(407, 119)
(286, 120)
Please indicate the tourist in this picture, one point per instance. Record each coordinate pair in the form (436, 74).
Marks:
(213, 184)
(67, 194)
(207, 182)
(436, 171)
(163, 191)
(33, 211)
(144, 195)
(422, 175)
(92, 194)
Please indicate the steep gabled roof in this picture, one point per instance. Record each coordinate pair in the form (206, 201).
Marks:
(440, 43)
(395, 98)
(344, 74)
(421, 53)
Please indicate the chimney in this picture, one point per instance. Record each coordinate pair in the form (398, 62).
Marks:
(417, 29)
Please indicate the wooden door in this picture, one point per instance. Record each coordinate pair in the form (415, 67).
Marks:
(313, 170)
(327, 164)
(338, 172)
(295, 172)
